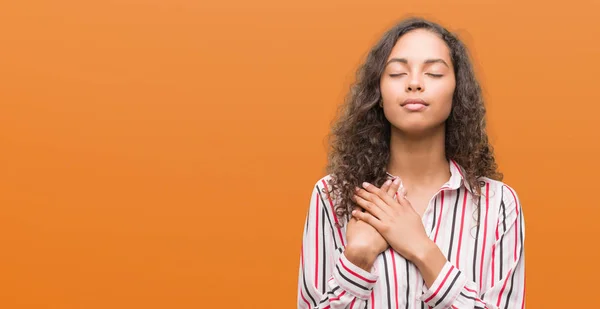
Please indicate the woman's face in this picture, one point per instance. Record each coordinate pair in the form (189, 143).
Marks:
(418, 70)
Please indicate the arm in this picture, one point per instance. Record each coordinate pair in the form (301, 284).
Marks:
(448, 287)
(326, 278)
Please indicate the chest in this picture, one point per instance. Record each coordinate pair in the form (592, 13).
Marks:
(420, 200)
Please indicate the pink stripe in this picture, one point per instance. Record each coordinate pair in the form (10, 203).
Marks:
(395, 277)
(516, 221)
(437, 229)
(317, 245)
(352, 303)
(487, 201)
(355, 274)
(473, 291)
(494, 253)
(441, 285)
(306, 301)
(503, 287)
(462, 223)
(333, 213)
(372, 299)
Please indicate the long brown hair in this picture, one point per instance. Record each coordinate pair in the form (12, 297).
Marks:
(360, 136)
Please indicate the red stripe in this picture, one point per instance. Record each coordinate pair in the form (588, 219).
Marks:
(487, 201)
(437, 229)
(473, 291)
(352, 303)
(454, 307)
(417, 288)
(317, 245)
(462, 223)
(372, 299)
(334, 214)
(395, 277)
(339, 296)
(516, 220)
(503, 287)
(306, 301)
(494, 251)
(441, 284)
(355, 274)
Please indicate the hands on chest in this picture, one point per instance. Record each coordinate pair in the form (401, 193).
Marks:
(384, 218)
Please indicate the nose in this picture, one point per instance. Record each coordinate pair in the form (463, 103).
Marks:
(414, 84)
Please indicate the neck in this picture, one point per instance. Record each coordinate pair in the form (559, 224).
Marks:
(419, 161)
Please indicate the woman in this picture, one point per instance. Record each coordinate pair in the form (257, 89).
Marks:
(413, 213)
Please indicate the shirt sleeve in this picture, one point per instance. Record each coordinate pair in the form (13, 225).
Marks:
(452, 289)
(326, 279)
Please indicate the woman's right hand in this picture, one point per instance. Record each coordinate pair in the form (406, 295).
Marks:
(364, 242)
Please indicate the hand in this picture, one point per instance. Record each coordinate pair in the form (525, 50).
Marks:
(364, 242)
(395, 219)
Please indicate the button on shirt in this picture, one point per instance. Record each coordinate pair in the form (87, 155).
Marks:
(485, 265)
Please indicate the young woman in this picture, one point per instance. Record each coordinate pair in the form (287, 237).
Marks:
(413, 213)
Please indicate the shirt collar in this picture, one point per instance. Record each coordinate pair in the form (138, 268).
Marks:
(457, 178)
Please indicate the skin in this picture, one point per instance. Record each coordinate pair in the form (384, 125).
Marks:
(363, 237)
(419, 67)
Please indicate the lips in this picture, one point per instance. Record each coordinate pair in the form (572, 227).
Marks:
(414, 105)
(414, 101)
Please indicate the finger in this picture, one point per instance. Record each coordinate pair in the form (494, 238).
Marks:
(402, 198)
(357, 208)
(385, 202)
(370, 219)
(386, 186)
(393, 188)
(369, 207)
(375, 200)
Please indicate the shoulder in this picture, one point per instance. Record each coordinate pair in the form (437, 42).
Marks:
(321, 187)
(503, 194)
(322, 184)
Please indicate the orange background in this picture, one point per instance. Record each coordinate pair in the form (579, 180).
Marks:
(161, 154)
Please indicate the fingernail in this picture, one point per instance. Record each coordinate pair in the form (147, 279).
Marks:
(387, 183)
(397, 180)
(354, 212)
(365, 184)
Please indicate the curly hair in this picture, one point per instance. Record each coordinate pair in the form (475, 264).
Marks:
(359, 139)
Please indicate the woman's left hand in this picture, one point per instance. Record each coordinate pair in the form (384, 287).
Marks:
(395, 219)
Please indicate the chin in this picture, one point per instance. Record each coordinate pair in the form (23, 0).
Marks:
(415, 128)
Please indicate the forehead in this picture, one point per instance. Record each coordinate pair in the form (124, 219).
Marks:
(420, 44)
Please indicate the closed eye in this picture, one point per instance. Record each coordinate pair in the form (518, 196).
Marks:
(397, 74)
(435, 75)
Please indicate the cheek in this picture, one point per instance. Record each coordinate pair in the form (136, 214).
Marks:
(389, 90)
(445, 93)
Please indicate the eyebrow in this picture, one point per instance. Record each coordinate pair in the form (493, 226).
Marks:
(428, 61)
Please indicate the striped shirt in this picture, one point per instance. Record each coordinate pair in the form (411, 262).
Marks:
(485, 265)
